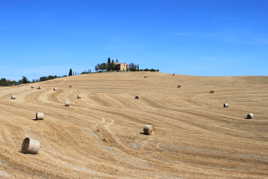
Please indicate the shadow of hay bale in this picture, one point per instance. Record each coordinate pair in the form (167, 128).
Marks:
(211, 91)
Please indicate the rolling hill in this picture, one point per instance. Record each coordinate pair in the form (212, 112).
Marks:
(99, 135)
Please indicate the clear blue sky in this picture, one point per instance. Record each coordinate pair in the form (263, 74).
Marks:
(196, 37)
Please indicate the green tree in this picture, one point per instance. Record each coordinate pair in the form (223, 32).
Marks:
(5, 82)
(70, 72)
(101, 67)
(109, 65)
(24, 80)
(109, 60)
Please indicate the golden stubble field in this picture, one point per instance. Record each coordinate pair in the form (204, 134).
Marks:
(99, 135)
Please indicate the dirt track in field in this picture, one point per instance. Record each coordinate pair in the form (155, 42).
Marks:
(99, 136)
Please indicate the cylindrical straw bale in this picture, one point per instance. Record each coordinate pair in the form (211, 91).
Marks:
(249, 116)
(226, 105)
(39, 116)
(67, 103)
(30, 146)
(147, 129)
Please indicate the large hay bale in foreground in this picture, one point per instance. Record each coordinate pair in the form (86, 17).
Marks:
(30, 146)
(39, 116)
(147, 129)
(226, 105)
(12, 97)
(249, 116)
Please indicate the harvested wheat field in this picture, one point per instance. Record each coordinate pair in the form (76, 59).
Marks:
(100, 134)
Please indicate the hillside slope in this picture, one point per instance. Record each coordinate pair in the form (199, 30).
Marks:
(99, 136)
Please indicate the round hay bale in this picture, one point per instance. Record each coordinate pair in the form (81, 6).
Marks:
(67, 103)
(30, 146)
(179, 86)
(147, 129)
(226, 105)
(249, 116)
(211, 91)
(39, 116)
(137, 97)
(13, 97)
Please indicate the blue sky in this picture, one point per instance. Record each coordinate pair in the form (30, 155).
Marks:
(195, 37)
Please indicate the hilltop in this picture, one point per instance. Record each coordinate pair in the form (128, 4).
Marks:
(99, 135)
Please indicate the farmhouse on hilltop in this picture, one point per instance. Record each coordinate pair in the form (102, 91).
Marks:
(121, 66)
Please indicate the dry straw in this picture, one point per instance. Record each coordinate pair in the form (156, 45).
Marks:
(30, 146)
